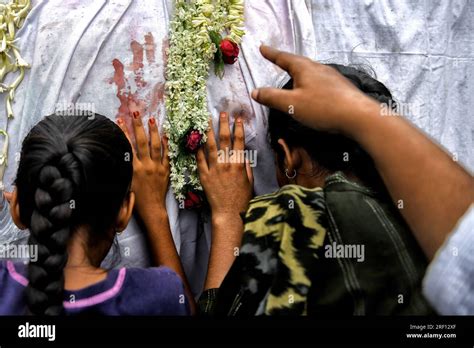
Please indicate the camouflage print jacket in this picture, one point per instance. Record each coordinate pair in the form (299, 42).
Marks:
(341, 250)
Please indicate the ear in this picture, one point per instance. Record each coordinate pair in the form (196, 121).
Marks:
(15, 209)
(125, 212)
(292, 158)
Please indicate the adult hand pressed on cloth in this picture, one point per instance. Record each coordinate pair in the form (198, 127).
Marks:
(227, 182)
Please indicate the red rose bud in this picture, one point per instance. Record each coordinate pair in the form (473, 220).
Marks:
(192, 200)
(230, 51)
(193, 141)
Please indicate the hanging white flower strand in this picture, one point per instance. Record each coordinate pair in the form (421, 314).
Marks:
(12, 17)
(195, 41)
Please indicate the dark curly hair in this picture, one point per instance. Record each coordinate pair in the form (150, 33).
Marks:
(332, 152)
(73, 171)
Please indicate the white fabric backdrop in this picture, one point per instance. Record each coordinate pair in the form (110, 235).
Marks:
(422, 50)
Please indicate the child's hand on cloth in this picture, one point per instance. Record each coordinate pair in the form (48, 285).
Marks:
(151, 168)
(151, 172)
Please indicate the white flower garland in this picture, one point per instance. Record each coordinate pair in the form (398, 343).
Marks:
(12, 17)
(189, 57)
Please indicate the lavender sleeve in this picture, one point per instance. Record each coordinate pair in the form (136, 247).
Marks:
(449, 281)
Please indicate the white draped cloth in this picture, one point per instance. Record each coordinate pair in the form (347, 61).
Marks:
(102, 55)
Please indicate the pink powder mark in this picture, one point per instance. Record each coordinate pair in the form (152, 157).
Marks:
(157, 96)
(150, 48)
(137, 65)
(236, 109)
(129, 102)
(244, 113)
(119, 80)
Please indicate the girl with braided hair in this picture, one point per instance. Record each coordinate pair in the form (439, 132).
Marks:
(74, 193)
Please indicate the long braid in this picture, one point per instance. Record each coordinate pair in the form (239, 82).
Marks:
(50, 230)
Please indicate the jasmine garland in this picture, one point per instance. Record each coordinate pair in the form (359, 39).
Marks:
(12, 17)
(189, 58)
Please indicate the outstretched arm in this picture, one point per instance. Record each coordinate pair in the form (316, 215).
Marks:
(432, 190)
(150, 183)
(228, 187)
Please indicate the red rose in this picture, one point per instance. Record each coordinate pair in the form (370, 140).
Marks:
(192, 200)
(193, 141)
(230, 51)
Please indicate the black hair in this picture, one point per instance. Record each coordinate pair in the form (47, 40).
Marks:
(332, 152)
(73, 171)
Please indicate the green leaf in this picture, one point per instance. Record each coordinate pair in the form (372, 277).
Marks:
(215, 38)
(219, 68)
(218, 58)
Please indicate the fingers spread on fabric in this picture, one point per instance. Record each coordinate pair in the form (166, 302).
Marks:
(141, 139)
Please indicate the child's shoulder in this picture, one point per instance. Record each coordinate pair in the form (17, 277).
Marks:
(156, 291)
(13, 271)
(12, 284)
(160, 277)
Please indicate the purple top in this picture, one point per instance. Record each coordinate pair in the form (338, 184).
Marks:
(125, 291)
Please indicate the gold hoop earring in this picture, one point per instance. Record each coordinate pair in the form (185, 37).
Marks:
(292, 176)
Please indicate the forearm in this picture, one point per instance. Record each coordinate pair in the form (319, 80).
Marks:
(226, 240)
(430, 188)
(162, 246)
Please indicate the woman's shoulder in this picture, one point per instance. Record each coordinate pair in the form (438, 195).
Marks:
(291, 206)
(303, 194)
(287, 201)
(287, 198)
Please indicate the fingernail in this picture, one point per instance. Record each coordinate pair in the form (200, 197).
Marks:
(136, 114)
(152, 121)
(119, 121)
(223, 115)
(255, 94)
